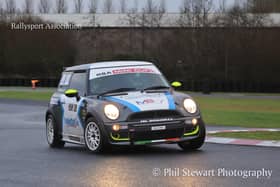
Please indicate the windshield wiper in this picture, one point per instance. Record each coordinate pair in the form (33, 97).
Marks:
(156, 88)
(118, 90)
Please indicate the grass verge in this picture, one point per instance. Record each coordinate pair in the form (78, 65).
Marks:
(27, 95)
(243, 112)
(258, 135)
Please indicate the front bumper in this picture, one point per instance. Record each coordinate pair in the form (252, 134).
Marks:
(140, 133)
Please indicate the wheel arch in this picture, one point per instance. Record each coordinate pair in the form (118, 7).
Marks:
(48, 112)
(95, 115)
(58, 122)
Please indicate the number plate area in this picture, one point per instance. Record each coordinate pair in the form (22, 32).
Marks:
(158, 128)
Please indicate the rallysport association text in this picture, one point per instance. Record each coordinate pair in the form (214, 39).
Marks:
(44, 26)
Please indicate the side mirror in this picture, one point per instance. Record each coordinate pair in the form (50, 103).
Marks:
(72, 93)
(176, 84)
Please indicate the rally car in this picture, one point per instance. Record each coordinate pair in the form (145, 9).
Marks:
(121, 103)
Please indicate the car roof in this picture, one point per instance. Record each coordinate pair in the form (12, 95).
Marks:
(107, 64)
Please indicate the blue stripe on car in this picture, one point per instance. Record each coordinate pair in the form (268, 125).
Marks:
(80, 105)
(170, 101)
(125, 103)
(62, 113)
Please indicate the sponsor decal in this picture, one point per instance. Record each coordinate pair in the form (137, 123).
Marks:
(142, 102)
(70, 122)
(146, 101)
(137, 101)
(156, 141)
(156, 120)
(101, 74)
(132, 70)
(96, 73)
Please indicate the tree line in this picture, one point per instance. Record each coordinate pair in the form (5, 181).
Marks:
(80, 6)
(123, 6)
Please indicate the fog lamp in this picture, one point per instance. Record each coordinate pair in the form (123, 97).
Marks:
(194, 121)
(116, 127)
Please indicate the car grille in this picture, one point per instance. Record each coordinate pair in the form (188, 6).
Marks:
(155, 135)
(154, 115)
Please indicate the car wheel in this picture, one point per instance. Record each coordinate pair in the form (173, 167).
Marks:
(196, 143)
(95, 139)
(52, 134)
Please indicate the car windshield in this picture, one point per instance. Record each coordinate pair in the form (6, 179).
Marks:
(126, 81)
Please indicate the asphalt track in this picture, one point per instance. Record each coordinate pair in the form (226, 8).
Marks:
(26, 159)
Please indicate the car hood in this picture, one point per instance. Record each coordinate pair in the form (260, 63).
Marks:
(137, 101)
(145, 101)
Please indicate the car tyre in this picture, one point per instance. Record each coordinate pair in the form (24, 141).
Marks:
(54, 139)
(196, 143)
(95, 139)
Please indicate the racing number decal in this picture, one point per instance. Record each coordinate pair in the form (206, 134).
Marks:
(72, 107)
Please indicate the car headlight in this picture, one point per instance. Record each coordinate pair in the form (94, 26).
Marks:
(190, 106)
(111, 111)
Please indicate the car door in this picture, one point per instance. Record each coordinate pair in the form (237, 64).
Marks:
(72, 127)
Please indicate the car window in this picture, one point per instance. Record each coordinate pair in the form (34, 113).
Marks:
(78, 82)
(64, 81)
(132, 80)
